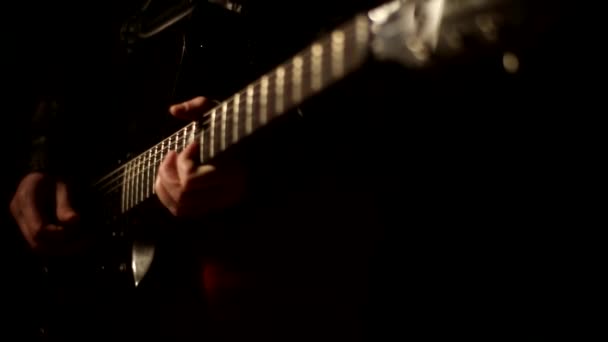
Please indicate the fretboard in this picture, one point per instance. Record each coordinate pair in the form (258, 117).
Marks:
(315, 68)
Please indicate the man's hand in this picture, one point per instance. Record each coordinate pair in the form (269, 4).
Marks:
(41, 207)
(190, 190)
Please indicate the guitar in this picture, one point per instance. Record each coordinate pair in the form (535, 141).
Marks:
(414, 34)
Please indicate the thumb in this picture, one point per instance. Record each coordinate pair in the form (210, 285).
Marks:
(65, 212)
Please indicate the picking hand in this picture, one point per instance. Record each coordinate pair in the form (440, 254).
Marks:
(42, 209)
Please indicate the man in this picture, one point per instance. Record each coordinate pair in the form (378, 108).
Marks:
(25, 208)
(272, 278)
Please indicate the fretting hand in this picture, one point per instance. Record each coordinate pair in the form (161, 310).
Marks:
(191, 190)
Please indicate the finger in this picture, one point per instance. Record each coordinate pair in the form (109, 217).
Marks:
(168, 177)
(168, 169)
(21, 222)
(191, 109)
(185, 162)
(65, 213)
(165, 197)
(31, 219)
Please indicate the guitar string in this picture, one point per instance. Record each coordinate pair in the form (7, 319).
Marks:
(151, 152)
(152, 158)
(144, 160)
(241, 93)
(147, 160)
(120, 181)
(122, 167)
(173, 140)
(306, 53)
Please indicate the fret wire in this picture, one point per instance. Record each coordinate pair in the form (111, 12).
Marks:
(132, 186)
(154, 169)
(130, 200)
(326, 64)
(144, 179)
(279, 84)
(128, 185)
(124, 189)
(128, 206)
(155, 166)
(182, 139)
(176, 142)
(235, 118)
(144, 176)
(223, 129)
(249, 111)
(192, 133)
(125, 186)
(297, 78)
(264, 99)
(138, 180)
(337, 53)
(149, 174)
(242, 115)
(316, 66)
(361, 31)
(212, 135)
(146, 193)
(162, 151)
(135, 181)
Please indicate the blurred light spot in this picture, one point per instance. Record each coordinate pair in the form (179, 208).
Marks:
(510, 62)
